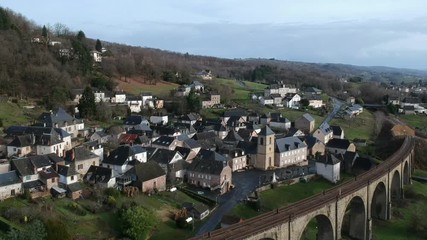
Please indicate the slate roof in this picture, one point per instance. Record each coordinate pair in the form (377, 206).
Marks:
(146, 171)
(191, 143)
(328, 159)
(232, 136)
(98, 174)
(275, 115)
(21, 141)
(337, 130)
(190, 117)
(183, 151)
(288, 144)
(294, 132)
(135, 120)
(281, 120)
(308, 117)
(208, 166)
(164, 141)
(246, 134)
(266, 131)
(119, 155)
(310, 141)
(40, 161)
(74, 187)
(338, 143)
(325, 128)
(59, 117)
(210, 155)
(9, 178)
(33, 184)
(236, 112)
(66, 171)
(412, 100)
(249, 147)
(80, 154)
(162, 156)
(115, 130)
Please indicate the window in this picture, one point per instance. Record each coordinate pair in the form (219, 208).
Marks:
(261, 141)
(72, 178)
(269, 140)
(93, 163)
(80, 166)
(27, 177)
(53, 180)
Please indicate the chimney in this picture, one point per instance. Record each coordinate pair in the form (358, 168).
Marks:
(73, 154)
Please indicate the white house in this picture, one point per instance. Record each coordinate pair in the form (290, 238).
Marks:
(266, 100)
(281, 123)
(99, 96)
(124, 157)
(96, 56)
(324, 133)
(134, 103)
(328, 166)
(119, 98)
(10, 185)
(290, 151)
(67, 175)
(292, 101)
(156, 119)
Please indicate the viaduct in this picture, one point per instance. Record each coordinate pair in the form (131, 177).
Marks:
(348, 207)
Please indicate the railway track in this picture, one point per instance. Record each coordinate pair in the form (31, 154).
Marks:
(279, 216)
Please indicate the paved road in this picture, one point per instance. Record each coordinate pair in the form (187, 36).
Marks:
(245, 183)
(337, 106)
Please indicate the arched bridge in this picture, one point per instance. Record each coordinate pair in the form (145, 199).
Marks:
(346, 209)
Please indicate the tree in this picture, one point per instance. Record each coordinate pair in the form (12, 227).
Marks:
(87, 105)
(98, 45)
(81, 35)
(60, 29)
(193, 102)
(4, 19)
(44, 31)
(138, 222)
(304, 102)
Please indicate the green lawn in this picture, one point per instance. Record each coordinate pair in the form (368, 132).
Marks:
(16, 114)
(399, 227)
(416, 121)
(241, 90)
(420, 173)
(361, 126)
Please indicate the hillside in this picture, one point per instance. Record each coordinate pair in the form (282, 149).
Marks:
(39, 68)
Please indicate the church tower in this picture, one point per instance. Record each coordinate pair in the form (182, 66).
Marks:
(265, 149)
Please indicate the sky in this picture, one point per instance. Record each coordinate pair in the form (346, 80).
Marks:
(359, 32)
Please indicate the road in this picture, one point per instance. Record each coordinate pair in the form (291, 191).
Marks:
(337, 106)
(245, 183)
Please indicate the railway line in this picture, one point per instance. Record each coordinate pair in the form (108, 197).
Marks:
(276, 217)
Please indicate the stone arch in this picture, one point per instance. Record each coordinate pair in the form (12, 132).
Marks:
(323, 231)
(379, 202)
(406, 174)
(395, 187)
(266, 239)
(354, 220)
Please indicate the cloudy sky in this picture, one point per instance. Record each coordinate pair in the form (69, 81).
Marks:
(360, 32)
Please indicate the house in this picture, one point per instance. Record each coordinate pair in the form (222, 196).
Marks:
(190, 118)
(159, 119)
(208, 140)
(96, 56)
(354, 110)
(351, 100)
(67, 174)
(340, 146)
(324, 133)
(119, 98)
(294, 132)
(213, 100)
(210, 170)
(279, 88)
(100, 137)
(292, 101)
(134, 121)
(266, 100)
(165, 159)
(114, 132)
(61, 119)
(237, 158)
(197, 86)
(236, 112)
(205, 74)
(408, 110)
(148, 176)
(80, 158)
(247, 134)
(328, 166)
(101, 177)
(74, 190)
(165, 142)
(10, 185)
(20, 146)
(134, 103)
(305, 123)
(314, 146)
(393, 100)
(280, 123)
(410, 101)
(183, 90)
(187, 154)
(198, 211)
(123, 158)
(314, 101)
(76, 95)
(337, 132)
(312, 91)
(147, 100)
(99, 96)
(277, 99)
(232, 138)
(290, 151)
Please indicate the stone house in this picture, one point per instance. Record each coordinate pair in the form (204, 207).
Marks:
(328, 166)
(324, 133)
(100, 177)
(305, 123)
(124, 158)
(148, 177)
(10, 185)
(290, 151)
(340, 146)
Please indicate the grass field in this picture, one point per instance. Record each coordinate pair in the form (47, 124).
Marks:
(416, 121)
(136, 86)
(16, 114)
(241, 89)
(361, 126)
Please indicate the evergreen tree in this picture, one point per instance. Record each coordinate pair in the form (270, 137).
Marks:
(98, 45)
(81, 35)
(44, 31)
(87, 105)
(4, 19)
(193, 101)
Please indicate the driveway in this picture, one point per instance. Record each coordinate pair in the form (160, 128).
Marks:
(337, 106)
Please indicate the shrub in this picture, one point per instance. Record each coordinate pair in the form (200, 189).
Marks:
(111, 201)
(112, 192)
